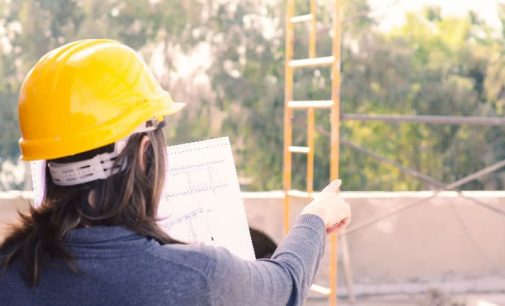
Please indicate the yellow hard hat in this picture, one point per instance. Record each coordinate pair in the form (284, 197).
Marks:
(85, 95)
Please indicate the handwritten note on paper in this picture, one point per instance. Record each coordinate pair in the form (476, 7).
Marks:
(201, 201)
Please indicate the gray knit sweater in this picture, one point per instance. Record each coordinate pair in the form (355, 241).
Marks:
(119, 267)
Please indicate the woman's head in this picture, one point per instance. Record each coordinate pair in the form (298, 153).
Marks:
(94, 112)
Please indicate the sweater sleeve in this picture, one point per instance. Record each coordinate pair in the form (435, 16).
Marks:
(282, 280)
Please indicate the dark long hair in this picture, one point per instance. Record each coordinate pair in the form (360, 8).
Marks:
(129, 198)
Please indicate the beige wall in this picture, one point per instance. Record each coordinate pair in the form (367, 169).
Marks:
(445, 239)
(10, 203)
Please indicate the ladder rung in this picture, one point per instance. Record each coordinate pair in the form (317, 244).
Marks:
(299, 194)
(311, 62)
(320, 289)
(311, 104)
(301, 18)
(294, 149)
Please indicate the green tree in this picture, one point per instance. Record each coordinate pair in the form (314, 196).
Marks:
(431, 65)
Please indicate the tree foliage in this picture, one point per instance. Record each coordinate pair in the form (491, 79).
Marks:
(225, 59)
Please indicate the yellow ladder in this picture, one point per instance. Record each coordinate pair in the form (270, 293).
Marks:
(310, 106)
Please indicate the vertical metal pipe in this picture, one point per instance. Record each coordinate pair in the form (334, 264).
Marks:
(310, 111)
(288, 112)
(313, 30)
(335, 141)
(311, 146)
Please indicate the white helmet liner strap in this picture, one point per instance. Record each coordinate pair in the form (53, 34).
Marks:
(99, 167)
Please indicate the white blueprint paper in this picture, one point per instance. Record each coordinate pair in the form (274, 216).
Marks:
(201, 201)
(38, 171)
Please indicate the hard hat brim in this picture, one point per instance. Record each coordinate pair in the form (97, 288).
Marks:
(157, 107)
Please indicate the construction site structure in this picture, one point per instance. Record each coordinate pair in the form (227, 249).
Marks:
(336, 116)
(290, 104)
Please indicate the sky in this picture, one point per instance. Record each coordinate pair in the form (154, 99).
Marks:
(391, 12)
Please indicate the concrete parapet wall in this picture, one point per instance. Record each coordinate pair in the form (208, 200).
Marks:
(11, 203)
(445, 238)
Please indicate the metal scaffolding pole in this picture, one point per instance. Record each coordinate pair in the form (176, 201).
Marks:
(335, 139)
(312, 60)
(445, 120)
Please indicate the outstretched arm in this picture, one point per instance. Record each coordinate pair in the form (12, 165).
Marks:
(282, 280)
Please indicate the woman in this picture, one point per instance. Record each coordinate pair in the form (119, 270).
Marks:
(94, 112)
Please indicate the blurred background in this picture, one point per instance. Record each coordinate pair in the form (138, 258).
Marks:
(225, 59)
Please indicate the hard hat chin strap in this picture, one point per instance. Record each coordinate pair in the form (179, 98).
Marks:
(99, 167)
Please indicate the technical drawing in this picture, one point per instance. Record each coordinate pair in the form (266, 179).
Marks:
(201, 201)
